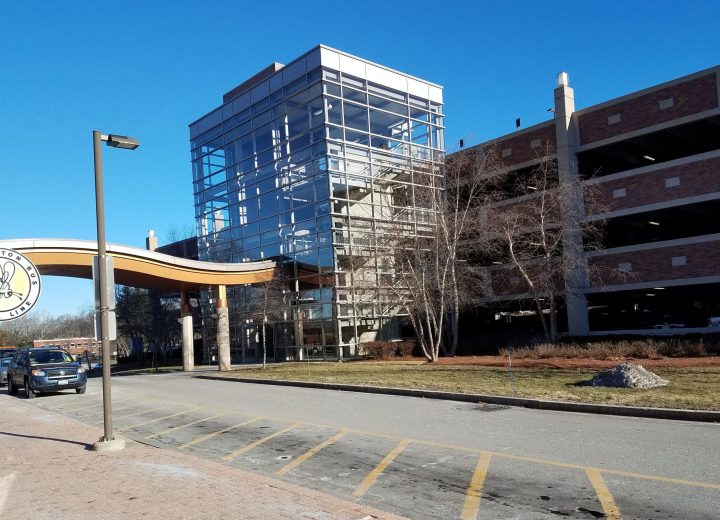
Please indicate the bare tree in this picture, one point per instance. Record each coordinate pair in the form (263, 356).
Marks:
(431, 252)
(539, 236)
(272, 302)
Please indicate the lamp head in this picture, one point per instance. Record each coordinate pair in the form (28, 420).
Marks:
(122, 141)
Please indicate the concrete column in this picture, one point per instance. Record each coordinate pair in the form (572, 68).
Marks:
(188, 350)
(223, 330)
(568, 140)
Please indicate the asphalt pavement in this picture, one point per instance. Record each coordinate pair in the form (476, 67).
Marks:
(419, 458)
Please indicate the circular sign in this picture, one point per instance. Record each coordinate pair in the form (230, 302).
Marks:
(19, 284)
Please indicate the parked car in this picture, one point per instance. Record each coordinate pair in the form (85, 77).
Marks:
(47, 369)
(7, 352)
(4, 365)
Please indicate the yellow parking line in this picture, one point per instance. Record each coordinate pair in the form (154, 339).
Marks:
(250, 446)
(213, 434)
(158, 434)
(603, 493)
(375, 473)
(158, 419)
(706, 485)
(135, 413)
(474, 492)
(310, 453)
(114, 410)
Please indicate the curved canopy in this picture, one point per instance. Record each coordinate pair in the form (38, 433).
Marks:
(137, 267)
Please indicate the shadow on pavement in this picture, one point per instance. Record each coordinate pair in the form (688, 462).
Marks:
(83, 444)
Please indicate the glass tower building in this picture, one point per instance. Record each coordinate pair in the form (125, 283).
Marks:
(308, 164)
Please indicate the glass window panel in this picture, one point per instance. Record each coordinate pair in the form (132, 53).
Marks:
(389, 125)
(266, 184)
(438, 140)
(249, 209)
(263, 138)
(418, 102)
(295, 86)
(260, 106)
(391, 106)
(335, 132)
(354, 95)
(243, 129)
(268, 224)
(268, 203)
(420, 133)
(353, 81)
(322, 189)
(356, 137)
(302, 192)
(314, 75)
(355, 117)
(417, 113)
(331, 74)
(270, 250)
(387, 92)
(265, 157)
(262, 119)
(322, 208)
(297, 100)
(317, 114)
(298, 144)
(304, 213)
(332, 88)
(333, 107)
(298, 122)
(338, 185)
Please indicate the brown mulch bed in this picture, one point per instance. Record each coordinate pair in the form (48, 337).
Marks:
(500, 361)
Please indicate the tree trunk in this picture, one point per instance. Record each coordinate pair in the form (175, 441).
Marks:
(542, 320)
(264, 333)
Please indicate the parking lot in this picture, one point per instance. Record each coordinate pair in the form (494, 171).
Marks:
(412, 472)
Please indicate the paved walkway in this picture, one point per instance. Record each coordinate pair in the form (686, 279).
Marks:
(48, 472)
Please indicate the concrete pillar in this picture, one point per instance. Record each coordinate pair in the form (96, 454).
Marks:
(568, 140)
(223, 330)
(186, 318)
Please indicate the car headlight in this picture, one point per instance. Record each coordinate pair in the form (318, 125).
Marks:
(81, 370)
(37, 372)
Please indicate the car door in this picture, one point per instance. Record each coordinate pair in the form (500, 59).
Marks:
(17, 369)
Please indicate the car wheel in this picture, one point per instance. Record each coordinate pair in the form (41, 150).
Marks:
(12, 389)
(29, 394)
(80, 390)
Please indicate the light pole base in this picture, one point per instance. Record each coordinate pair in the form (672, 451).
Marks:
(112, 445)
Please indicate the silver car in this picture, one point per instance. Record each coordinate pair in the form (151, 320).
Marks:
(4, 364)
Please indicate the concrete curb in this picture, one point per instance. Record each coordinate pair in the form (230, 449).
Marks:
(540, 404)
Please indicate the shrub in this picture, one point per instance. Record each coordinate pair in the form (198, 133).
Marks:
(380, 349)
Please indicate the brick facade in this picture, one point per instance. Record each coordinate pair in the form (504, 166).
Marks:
(526, 146)
(689, 97)
(701, 259)
(695, 178)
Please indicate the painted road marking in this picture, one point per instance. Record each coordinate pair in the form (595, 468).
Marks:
(210, 435)
(114, 410)
(474, 492)
(248, 447)
(135, 413)
(603, 493)
(657, 478)
(158, 419)
(375, 473)
(184, 426)
(311, 452)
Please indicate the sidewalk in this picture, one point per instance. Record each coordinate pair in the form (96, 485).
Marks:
(47, 471)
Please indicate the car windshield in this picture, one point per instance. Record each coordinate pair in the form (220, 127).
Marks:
(5, 361)
(50, 356)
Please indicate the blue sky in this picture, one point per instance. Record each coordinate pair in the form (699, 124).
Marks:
(148, 69)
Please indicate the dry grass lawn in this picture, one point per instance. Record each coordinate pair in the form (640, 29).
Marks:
(691, 387)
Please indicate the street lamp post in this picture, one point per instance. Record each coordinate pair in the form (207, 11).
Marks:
(108, 441)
